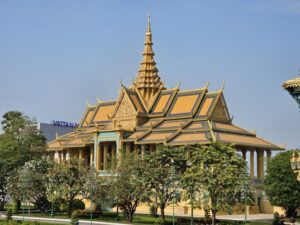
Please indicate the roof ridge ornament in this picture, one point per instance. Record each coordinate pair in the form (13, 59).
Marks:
(99, 100)
(88, 103)
(178, 85)
(222, 86)
(207, 84)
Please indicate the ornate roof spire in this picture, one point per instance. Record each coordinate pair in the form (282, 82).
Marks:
(147, 81)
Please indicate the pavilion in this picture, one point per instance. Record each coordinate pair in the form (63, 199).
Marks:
(147, 114)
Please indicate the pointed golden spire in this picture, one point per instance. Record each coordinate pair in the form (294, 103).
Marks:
(147, 81)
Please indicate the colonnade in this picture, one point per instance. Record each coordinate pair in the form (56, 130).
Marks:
(84, 154)
(106, 153)
(260, 161)
(61, 156)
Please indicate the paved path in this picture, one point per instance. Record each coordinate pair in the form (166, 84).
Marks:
(250, 217)
(86, 222)
(59, 220)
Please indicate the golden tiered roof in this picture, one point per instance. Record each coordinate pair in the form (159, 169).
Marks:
(152, 114)
(147, 82)
(294, 83)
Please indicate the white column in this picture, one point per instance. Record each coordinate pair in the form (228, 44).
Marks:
(252, 163)
(68, 155)
(105, 155)
(56, 157)
(91, 155)
(143, 150)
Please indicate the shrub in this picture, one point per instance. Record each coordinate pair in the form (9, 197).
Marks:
(9, 214)
(276, 218)
(75, 218)
(15, 208)
(159, 221)
(30, 223)
(78, 205)
(207, 216)
(153, 210)
(11, 222)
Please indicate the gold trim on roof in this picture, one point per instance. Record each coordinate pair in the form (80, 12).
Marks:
(292, 83)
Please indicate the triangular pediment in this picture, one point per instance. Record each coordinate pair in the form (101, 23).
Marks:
(125, 107)
(220, 111)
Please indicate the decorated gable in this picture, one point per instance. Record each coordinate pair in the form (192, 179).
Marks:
(220, 112)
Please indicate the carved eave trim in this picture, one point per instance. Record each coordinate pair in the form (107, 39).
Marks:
(141, 98)
(215, 102)
(121, 95)
(155, 98)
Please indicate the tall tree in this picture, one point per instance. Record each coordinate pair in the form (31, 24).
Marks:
(36, 181)
(68, 182)
(163, 175)
(281, 185)
(220, 171)
(128, 185)
(19, 143)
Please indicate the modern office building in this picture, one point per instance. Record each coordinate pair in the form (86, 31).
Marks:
(55, 129)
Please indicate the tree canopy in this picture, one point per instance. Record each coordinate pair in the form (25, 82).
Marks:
(219, 171)
(19, 143)
(68, 181)
(128, 185)
(281, 185)
(164, 168)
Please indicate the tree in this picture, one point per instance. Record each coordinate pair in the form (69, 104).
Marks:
(36, 181)
(281, 185)
(221, 172)
(128, 186)
(162, 175)
(68, 181)
(3, 188)
(19, 143)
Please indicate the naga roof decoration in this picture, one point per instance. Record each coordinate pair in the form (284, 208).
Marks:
(149, 113)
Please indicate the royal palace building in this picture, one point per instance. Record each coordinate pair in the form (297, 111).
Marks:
(147, 114)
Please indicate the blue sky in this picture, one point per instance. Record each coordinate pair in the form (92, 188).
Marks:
(56, 54)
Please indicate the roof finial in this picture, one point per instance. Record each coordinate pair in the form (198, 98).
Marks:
(149, 28)
(121, 81)
(223, 86)
(88, 104)
(99, 100)
(207, 84)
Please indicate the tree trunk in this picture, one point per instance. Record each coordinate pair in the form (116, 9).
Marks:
(130, 216)
(70, 208)
(162, 212)
(290, 212)
(213, 216)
